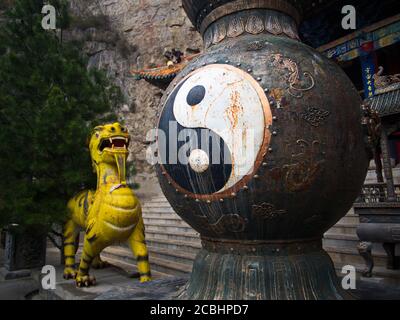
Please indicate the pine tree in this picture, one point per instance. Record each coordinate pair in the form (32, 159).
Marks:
(49, 101)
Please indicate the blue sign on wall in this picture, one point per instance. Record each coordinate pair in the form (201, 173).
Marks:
(368, 71)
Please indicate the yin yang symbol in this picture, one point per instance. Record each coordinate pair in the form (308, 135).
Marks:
(221, 116)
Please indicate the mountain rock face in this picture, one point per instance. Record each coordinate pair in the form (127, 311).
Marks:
(121, 35)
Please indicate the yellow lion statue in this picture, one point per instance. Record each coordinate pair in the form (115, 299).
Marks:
(110, 214)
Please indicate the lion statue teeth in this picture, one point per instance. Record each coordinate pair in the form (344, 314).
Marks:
(110, 214)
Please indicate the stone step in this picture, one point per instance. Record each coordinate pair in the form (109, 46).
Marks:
(156, 206)
(333, 240)
(129, 267)
(166, 215)
(350, 218)
(167, 227)
(157, 203)
(352, 257)
(159, 199)
(344, 228)
(173, 255)
(191, 236)
(171, 267)
(185, 246)
(161, 215)
(164, 221)
(164, 218)
(334, 243)
(161, 265)
(159, 211)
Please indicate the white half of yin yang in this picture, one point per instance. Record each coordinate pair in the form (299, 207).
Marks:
(232, 108)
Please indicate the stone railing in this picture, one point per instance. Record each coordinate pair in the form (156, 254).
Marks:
(376, 192)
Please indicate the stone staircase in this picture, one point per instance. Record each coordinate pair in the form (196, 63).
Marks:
(173, 244)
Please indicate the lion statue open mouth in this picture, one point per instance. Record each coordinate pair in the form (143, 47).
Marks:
(110, 214)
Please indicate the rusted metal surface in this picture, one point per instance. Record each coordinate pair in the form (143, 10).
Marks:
(307, 171)
(262, 271)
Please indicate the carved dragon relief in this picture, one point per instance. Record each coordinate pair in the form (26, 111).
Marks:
(296, 86)
(305, 163)
(267, 211)
(301, 173)
(225, 224)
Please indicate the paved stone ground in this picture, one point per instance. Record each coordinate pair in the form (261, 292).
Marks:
(167, 289)
(377, 290)
(161, 289)
(112, 278)
(120, 283)
(109, 279)
(18, 289)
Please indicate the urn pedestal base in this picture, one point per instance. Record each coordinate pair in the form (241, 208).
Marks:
(259, 270)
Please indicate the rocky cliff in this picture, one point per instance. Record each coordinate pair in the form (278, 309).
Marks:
(121, 35)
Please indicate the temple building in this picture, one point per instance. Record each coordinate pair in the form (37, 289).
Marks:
(369, 56)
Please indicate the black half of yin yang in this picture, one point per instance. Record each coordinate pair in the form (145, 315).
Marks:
(182, 142)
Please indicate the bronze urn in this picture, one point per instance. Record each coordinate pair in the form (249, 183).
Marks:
(263, 152)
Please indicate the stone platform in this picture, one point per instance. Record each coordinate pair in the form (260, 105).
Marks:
(12, 275)
(116, 280)
(119, 282)
(168, 289)
(115, 283)
(161, 289)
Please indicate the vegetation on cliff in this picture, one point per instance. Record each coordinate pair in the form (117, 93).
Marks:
(49, 101)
